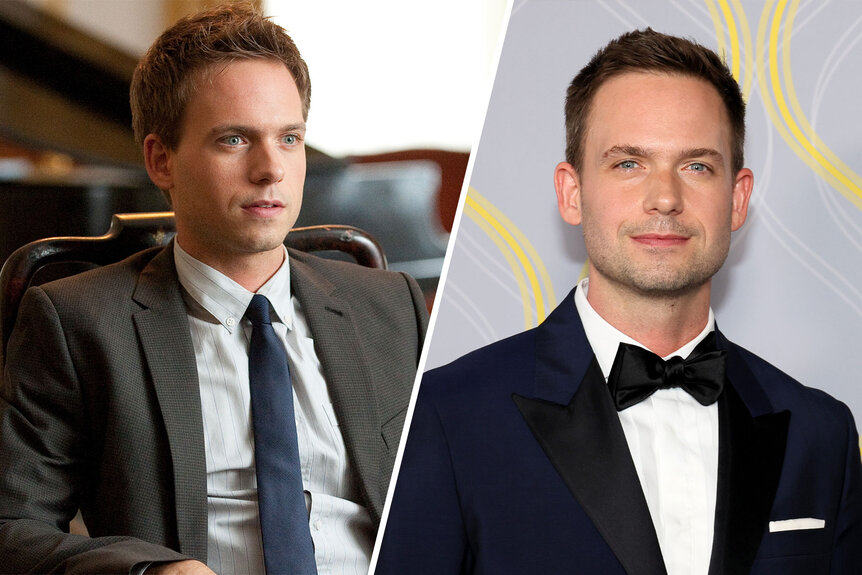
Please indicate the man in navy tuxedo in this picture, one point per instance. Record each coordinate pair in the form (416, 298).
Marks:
(626, 434)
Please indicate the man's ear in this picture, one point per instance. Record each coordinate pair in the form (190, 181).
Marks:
(742, 186)
(568, 187)
(157, 159)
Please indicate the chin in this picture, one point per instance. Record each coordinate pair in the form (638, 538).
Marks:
(668, 288)
(671, 282)
(657, 280)
(261, 244)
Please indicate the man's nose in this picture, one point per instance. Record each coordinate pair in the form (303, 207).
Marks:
(664, 193)
(266, 164)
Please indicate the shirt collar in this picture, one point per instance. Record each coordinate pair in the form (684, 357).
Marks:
(224, 299)
(605, 339)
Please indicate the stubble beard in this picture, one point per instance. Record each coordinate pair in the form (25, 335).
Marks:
(663, 276)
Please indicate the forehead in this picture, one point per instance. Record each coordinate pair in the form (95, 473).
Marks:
(650, 109)
(250, 88)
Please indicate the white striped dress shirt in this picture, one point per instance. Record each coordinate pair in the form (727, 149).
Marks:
(341, 527)
(673, 441)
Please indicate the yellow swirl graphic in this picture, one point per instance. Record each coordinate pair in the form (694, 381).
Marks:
(719, 29)
(802, 140)
(741, 49)
(526, 265)
(490, 230)
(748, 48)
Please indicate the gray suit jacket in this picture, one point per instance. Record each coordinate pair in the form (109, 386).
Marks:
(100, 408)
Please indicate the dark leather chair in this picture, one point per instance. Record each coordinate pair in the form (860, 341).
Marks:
(130, 233)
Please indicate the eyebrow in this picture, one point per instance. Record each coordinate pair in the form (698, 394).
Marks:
(702, 152)
(240, 129)
(641, 152)
(626, 150)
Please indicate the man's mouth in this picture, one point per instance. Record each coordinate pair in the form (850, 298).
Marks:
(265, 204)
(660, 240)
(264, 208)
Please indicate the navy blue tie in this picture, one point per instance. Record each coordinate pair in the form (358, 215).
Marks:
(287, 545)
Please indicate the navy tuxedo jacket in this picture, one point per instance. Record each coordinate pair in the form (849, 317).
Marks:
(516, 462)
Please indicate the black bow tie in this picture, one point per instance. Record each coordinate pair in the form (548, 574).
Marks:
(637, 373)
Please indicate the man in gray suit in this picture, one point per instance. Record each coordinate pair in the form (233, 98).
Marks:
(126, 389)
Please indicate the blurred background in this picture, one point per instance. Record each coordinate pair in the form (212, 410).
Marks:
(399, 92)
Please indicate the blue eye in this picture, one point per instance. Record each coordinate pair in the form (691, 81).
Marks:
(291, 139)
(698, 167)
(628, 164)
(233, 140)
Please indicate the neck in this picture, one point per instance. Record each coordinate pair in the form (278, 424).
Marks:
(661, 322)
(250, 270)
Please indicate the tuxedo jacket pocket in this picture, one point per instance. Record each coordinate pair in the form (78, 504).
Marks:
(803, 523)
(795, 539)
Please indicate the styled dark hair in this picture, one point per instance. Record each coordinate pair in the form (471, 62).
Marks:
(165, 78)
(651, 51)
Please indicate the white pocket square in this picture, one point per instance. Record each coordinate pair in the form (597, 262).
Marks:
(796, 524)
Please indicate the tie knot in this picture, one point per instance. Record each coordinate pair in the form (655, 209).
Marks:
(674, 372)
(258, 310)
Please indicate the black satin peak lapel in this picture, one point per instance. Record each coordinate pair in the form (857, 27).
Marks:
(750, 456)
(586, 444)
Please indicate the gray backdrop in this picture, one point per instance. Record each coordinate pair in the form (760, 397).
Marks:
(791, 290)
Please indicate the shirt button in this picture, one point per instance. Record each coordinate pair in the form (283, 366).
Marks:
(230, 322)
(317, 525)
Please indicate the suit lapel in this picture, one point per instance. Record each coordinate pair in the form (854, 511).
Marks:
(752, 441)
(338, 344)
(168, 351)
(575, 422)
(573, 419)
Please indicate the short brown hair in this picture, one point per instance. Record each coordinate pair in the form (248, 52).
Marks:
(651, 51)
(164, 79)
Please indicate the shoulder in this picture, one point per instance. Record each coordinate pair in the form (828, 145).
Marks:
(84, 312)
(111, 279)
(808, 404)
(339, 272)
(495, 369)
(351, 281)
(102, 297)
